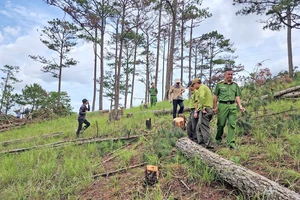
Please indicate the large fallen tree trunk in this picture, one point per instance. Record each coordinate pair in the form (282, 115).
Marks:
(247, 181)
(282, 92)
(291, 94)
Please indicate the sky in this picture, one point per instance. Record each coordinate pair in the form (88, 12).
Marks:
(20, 21)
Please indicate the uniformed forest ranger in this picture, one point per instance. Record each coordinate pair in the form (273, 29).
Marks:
(85, 107)
(153, 94)
(203, 111)
(192, 122)
(227, 93)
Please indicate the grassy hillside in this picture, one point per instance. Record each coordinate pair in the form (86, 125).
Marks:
(76, 171)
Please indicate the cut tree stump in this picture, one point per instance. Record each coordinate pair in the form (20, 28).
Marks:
(248, 182)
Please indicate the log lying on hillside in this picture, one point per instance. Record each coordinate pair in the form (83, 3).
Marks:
(7, 142)
(168, 111)
(283, 92)
(247, 181)
(68, 142)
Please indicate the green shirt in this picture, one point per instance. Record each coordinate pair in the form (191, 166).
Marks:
(227, 92)
(153, 91)
(204, 97)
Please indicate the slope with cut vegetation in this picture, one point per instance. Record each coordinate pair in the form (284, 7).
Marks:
(108, 160)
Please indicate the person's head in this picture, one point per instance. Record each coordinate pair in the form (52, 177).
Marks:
(191, 88)
(196, 83)
(85, 101)
(153, 85)
(228, 73)
(177, 82)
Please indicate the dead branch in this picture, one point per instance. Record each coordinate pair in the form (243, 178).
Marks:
(185, 185)
(119, 170)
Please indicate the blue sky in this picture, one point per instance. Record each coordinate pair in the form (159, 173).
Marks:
(20, 20)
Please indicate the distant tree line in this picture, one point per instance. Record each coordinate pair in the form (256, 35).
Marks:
(32, 96)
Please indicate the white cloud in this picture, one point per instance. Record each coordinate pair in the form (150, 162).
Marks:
(1, 37)
(6, 13)
(12, 31)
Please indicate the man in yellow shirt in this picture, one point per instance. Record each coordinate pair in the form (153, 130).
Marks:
(203, 111)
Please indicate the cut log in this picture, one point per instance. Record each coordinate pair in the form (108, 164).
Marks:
(247, 181)
(282, 92)
(291, 94)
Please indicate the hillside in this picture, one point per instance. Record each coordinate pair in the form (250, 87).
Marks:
(53, 164)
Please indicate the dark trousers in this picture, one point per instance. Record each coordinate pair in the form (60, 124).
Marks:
(80, 122)
(191, 126)
(175, 104)
(203, 128)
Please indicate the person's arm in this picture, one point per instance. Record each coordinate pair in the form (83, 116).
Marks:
(215, 103)
(88, 107)
(238, 101)
(170, 94)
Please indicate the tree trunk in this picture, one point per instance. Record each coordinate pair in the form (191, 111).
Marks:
(190, 51)
(118, 77)
(249, 182)
(163, 71)
(282, 92)
(95, 69)
(172, 48)
(116, 66)
(158, 44)
(182, 42)
(127, 77)
(289, 46)
(147, 69)
(101, 60)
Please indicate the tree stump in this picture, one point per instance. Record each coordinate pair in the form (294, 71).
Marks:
(148, 123)
(247, 181)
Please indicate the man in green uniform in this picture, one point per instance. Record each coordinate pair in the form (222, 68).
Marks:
(227, 93)
(191, 126)
(153, 93)
(203, 111)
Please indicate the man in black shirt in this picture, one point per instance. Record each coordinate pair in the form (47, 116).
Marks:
(85, 107)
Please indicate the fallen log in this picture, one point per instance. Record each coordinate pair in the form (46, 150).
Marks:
(76, 142)
(248, 182)
(5, 143)
(282, 92)
(291, 94)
